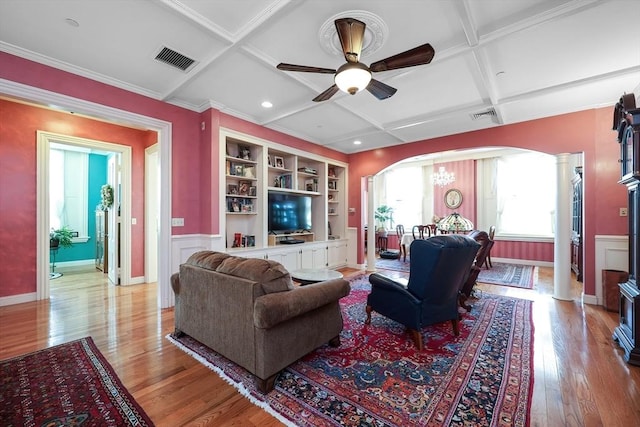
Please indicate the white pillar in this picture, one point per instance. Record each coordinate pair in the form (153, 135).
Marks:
(562, 240)
(371, 229)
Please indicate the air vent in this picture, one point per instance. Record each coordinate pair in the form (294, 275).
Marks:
(488, 113)
(175, 59)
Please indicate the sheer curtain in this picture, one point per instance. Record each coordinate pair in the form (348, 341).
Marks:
(404, 193)
(57, 217)
(526, 192)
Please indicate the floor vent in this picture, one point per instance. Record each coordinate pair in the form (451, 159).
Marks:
(488, 113)
(175, 59)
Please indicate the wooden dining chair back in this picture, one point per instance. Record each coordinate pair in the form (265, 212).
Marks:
(402, 246)
(487, 261)
(420, 232)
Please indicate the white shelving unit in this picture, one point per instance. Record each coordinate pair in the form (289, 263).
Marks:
(251, 168)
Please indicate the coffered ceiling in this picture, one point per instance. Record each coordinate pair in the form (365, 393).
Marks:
(496, 61)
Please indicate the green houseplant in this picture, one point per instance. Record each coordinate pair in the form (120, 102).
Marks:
(61, 237)
(383, 214)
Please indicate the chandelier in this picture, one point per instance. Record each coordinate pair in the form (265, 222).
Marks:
(443, 177)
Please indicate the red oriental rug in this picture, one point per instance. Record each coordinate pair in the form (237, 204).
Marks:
(377, 377)
(69, 384)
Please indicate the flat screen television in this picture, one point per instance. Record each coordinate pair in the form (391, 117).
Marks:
(289, 213)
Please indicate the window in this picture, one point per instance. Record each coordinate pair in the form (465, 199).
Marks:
(404, 194)
(526, 194)
(68, 190)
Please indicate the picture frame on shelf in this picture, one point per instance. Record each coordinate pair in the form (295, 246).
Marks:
(330, 197)
(249, 171)
(243, 187)
(332, 185)
(244, 152)
(232, 189)
(251, 240)
(331, 172)
(237, 170)
(234, 205)
(247, 208)
(252, 191)
(279, 162)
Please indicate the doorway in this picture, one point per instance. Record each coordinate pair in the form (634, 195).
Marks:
(44, 141)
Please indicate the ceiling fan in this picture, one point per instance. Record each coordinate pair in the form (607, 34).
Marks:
(353, 76)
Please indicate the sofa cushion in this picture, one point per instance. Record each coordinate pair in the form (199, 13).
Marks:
(271, 275)
(207, 259)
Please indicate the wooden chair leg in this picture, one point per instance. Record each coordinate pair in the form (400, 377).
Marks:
(489, 264)
(462, 300)
(368, 309)
(417, 338)
(456, 326)
(404, 251)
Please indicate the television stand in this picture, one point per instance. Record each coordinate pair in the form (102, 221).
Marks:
(290, 238)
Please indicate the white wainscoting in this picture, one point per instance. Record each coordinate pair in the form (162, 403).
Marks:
(182, 247)
(612, 253)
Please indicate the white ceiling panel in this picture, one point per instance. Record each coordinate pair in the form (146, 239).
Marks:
(526, 59)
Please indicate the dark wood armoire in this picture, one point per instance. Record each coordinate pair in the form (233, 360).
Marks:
(627, 124)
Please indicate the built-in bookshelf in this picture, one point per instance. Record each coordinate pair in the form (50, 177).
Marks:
(253, 168)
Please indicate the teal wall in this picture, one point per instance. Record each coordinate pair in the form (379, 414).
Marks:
(97, 178)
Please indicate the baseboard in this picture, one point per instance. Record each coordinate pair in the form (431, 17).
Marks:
(137, 280)
(17, 299)
(523, 262)
(78, 263)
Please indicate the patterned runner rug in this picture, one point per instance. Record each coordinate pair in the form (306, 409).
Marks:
(377, 377)
(515, 275)
(70, 384)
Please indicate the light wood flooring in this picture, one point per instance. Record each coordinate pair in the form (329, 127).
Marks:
(580, 376)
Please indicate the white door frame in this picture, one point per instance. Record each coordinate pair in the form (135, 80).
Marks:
(44, 140)
(91, 109)
(151, 193)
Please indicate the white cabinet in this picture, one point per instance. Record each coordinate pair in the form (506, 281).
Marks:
(337, 253)
(289, 259)
(313, 256)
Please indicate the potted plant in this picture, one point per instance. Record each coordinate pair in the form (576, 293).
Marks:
(106, 192)
(62, 237)
(383, 214)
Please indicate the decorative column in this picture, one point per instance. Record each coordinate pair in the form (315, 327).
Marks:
(562, 240)
(371, 227)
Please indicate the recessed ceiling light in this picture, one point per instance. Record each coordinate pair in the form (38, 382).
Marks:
(72, 22)
(357, 142)
(266, 104)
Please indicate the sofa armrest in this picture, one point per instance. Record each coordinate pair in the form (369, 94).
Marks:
(272, 309)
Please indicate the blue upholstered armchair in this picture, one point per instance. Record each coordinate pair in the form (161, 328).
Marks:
(439, 267)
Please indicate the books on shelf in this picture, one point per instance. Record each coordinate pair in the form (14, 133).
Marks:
(243, 240)
(283, 181)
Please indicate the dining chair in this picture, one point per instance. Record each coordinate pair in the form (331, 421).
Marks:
(487, 261)
(419, 232)
(402, 246)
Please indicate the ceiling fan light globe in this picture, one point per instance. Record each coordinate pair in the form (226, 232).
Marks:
(352, 77)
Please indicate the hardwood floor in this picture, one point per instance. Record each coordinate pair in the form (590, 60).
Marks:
(580, 376)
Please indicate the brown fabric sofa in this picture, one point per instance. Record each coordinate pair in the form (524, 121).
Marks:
(249, 311)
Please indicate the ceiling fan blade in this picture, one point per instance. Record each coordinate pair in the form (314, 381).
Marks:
(417, 56)
(351, 34)
(381, 90)
(304, 68)
(326, 94)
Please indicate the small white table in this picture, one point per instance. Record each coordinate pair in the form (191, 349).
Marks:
(307, 276)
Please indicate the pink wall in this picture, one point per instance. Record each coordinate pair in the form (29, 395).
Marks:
(586, 131)
(18, 128)
(465, 172)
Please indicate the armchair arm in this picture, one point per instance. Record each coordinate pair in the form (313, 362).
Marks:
(385, 283)
(272, 309)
